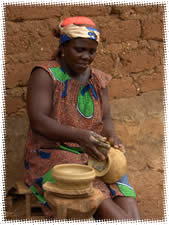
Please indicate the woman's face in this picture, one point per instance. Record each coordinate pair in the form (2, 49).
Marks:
(79, 53)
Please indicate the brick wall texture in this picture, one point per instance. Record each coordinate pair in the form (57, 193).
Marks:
(131, 47)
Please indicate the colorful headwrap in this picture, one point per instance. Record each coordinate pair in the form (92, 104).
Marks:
(74, 27)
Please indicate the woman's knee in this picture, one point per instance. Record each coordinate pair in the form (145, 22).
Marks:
(108, 209)
(129, 205)
(120, 208)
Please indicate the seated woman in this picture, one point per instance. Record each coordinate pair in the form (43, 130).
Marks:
(67, 102)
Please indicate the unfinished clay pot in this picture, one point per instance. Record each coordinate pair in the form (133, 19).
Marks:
(73, 178)
(64, 193)
(111, 169)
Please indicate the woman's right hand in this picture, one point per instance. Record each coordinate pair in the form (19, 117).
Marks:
(90, 142)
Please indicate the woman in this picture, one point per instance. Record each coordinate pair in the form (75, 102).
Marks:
(67, 104)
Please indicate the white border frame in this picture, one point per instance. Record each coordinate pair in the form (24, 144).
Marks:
(2, 110)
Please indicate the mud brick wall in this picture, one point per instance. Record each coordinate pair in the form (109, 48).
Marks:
(131, 50)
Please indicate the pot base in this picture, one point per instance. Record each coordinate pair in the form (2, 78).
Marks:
(75, 208)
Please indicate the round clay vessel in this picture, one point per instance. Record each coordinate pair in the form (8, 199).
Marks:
(112, 169)
(73, 176)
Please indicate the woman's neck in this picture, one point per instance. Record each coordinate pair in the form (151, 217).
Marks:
(81, 77)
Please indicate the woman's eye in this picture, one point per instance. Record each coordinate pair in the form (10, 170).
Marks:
(92, 52)
(79, 49)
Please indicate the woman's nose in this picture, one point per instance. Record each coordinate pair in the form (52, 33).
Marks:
(85, 55)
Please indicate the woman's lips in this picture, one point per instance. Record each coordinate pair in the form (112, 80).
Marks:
(83, 65)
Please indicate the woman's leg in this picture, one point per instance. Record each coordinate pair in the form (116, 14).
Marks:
(129, 205)
(119, 208)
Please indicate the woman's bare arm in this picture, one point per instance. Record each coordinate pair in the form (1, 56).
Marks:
(39, 105)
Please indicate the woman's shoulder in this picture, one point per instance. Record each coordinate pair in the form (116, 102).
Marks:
(46, 65)
(102, 77)
(49, 67)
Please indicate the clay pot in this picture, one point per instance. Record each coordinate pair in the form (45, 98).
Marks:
(72, 178)
(111, 169)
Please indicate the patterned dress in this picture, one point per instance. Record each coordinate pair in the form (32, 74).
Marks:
(75, 105)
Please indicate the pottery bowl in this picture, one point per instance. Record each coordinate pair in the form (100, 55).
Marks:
(73, 176)
(112, 169)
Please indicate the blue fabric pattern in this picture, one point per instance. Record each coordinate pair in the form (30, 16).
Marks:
(124, 180)
(64, 38)
(91, 34)
(39, 181)
(64, 93)
(46, 204)
(91, 28)
(86, 88)
(111, 190)
(26, 164)
(43, 155)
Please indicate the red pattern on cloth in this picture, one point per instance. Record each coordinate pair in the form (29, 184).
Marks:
(65, 112)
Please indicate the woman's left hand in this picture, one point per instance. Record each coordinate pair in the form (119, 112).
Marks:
(116, 143)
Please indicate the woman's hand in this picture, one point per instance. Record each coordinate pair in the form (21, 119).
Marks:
(90, 142)
(116, 143)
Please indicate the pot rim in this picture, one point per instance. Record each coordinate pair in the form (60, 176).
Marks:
(103, 172)
(59, 173)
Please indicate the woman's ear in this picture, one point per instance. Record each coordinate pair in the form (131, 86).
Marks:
(56, 33)
(62, 51)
